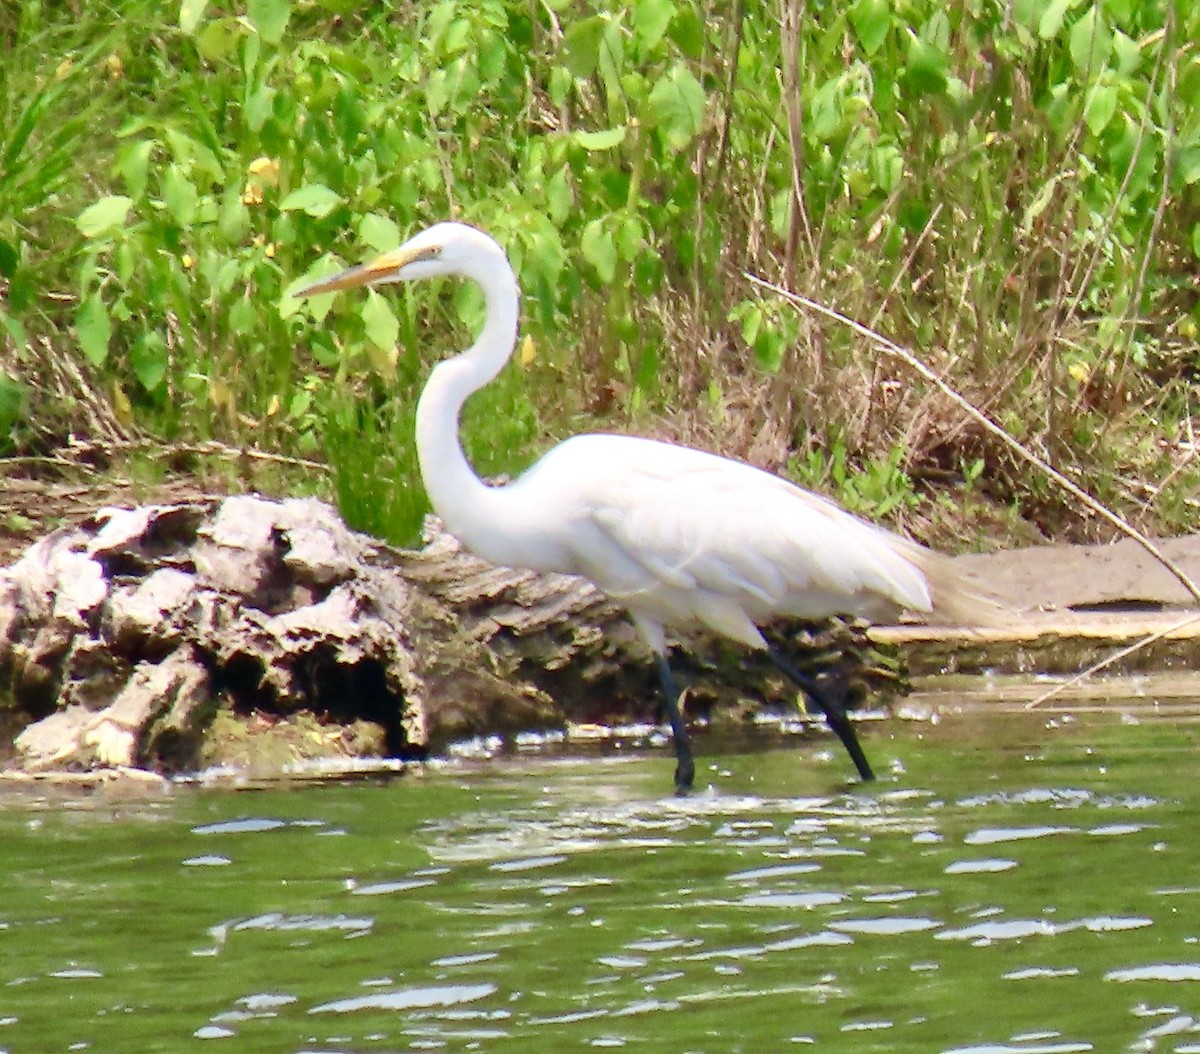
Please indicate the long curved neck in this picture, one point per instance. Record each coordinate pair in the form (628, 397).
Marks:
(457, 494)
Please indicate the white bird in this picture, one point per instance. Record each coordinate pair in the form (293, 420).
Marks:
(677, 536)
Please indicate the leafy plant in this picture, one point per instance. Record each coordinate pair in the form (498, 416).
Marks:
(1009, 188)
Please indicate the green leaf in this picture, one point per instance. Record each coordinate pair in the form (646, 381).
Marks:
(190, 13)
(270, 18)
(180, 196)
(379, 232)
(10, 256)
(316, 199)
(1090, 43)
(770, 349)
(650, 21)
(93, 327)
(14, 402)
(1100, 107)
(217, 40)
(600, 250)
(258, 107)
(233, 218)
(677, 103)
(1052, 18)
(243, 317)
(752, 322)
(581, 46)
(149, 360)
(379, 323)
(1196, 239)
(106, 216)
(687, 30)
(1127, 53)
(1187, 165)
(133, 164)
(925, 68)
(604, 140)
(14, 329)
(559, 198)
(825, 108)
(871, 20)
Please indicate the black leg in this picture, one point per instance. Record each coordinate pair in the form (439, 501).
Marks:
(685, 767)
(833, 709)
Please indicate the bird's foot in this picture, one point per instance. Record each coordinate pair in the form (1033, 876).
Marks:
(685, 777)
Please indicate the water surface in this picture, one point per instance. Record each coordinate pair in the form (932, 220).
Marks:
(1011, 884)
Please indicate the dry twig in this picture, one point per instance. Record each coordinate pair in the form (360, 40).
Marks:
(1116, 656)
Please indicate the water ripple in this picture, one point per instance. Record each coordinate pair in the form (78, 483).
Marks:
(990, 865)
(1008, 1048)
(1040, 971)
(377, 889)
(246, 825)
(408, 998)
(1157, 972)
(312, 923)
(825, 938)
(1017, 929)
(1008, 929)
(887, 925)
(775, 871)
(992, 835)
(814, 899)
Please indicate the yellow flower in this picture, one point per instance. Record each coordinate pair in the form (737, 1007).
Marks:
(64, 68)
(528, 352)
(265, 170)
(116, 68)
(270, 251)
(253, 194)
(188, 261)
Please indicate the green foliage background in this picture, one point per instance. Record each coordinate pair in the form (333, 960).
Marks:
(1009, 188)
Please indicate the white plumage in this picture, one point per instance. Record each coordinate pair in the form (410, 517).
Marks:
(681, 536)
(678, 536)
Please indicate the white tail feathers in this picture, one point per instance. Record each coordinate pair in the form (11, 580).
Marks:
(959, 599)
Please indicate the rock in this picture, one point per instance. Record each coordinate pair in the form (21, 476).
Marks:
(142, 611)
(176, 690)
(119, 637)
(52, 740)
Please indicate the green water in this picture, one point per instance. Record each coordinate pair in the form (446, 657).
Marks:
(1010, 884)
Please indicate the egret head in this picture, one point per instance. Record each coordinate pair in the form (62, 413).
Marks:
(443, 249)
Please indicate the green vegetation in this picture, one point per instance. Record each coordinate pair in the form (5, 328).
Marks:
(1007, 188)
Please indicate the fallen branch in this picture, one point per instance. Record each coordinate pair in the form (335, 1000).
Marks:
(209, 447)
(1116, 656)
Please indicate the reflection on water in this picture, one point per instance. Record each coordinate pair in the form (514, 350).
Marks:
(996, 897)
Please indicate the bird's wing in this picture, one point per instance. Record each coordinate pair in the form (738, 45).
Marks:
(696, 521)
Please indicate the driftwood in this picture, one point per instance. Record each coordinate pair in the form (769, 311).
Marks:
(143, 636)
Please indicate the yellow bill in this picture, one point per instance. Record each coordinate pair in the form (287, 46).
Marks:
(364, 274)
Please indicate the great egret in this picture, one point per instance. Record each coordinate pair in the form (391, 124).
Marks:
(677, 536)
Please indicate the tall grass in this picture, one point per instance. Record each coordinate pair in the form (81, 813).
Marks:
(1008, 187)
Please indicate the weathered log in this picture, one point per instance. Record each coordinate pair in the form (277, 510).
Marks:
(122, 638)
